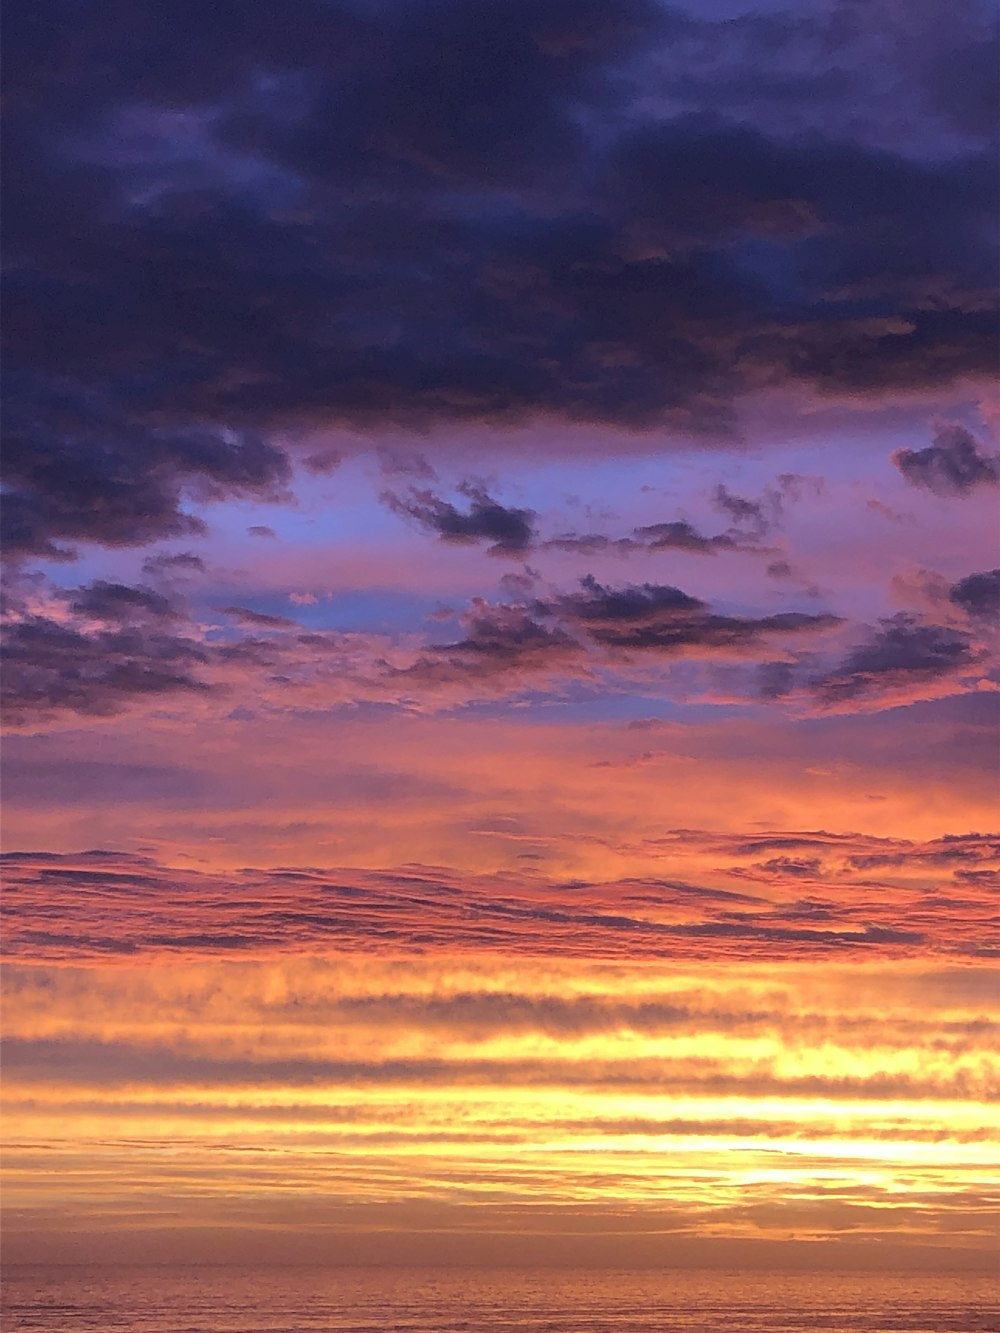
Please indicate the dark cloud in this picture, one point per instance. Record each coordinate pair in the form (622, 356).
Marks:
(681, 536)
(592, 543)
(979, 878)
(794, 485)
(508, 531)
(779, 569)
(502, 631)
(813, 67)
(799, 867)
(962, 76)
(744, 512)
(979, 594)
(843, 305)
(663, 618)
(751, 519)
(954, 464)
(902, 654)
(500, 640)
(678, 535)
(75, 491)
(118, 601)
(184, 561)
(78, 469)
(261, 530)
(597, 604)
(51, 666)
(759, 517)
(775, 680)
(220, 224)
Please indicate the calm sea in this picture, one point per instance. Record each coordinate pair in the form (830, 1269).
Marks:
(304, 1300)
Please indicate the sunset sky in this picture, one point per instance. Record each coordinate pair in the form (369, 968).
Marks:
(500, 526)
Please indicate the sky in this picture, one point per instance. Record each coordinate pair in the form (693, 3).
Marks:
(500, 533)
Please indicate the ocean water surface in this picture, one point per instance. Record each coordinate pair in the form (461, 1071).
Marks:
(307, 1300)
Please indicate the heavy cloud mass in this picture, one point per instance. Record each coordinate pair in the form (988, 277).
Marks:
(219, 225)
(77, 469)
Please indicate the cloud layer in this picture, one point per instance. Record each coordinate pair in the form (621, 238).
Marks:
(592, 214)
(784, 896)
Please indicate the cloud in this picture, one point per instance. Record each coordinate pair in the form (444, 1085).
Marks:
(99, 903)
(51, 666)
(596, 604)
(744, 512)
(78, 467)
(954, 464)
(681, 536)
(520, 585)
(902, 658)
(486, 220)
(676, 535)
(774, 680)
(663, 618)
(839, 859)
(592, 543)
(508, 531)
(979, 594)
(592, 637)
(184, 561)
(117, 601)
(779, 569)
(93, 1065)
(759, 517)
(502, 642)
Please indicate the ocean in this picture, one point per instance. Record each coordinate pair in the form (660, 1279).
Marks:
(309, 1300)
